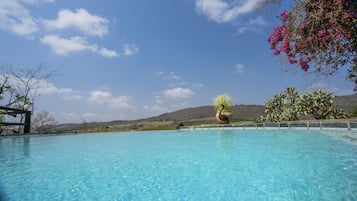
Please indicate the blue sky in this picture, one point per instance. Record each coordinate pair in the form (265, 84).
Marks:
(131, 59)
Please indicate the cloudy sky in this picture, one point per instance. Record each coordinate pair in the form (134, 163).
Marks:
(131, 59)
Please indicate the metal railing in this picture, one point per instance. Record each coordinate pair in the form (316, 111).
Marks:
(348, 124)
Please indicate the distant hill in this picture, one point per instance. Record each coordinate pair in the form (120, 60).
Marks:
(240, 112)
(347, 103)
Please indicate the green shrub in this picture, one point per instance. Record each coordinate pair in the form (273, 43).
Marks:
(354, 112)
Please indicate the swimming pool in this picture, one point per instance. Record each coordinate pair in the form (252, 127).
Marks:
(181, 165)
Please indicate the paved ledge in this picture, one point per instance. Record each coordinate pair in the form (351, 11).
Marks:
(350, 124)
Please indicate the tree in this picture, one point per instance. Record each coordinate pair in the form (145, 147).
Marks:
(292, 96)
(319, 104)
(289, 106)
(275, 108)
(319, 33)
(282, 107)
(5, 87)
(23, 85)
(354, 112)
(43, 122)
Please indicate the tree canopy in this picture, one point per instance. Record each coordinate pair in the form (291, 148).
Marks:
(290, 106)
(319, 36)
(19, 88)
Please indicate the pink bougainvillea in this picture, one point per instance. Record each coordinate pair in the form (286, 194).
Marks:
(319, 36)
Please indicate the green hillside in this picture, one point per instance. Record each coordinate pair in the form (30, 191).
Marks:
(189, 116)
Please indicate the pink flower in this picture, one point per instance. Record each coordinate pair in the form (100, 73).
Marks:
(284, 15)
(346, 16)
(304, 65)
(285, 47)
(338, 36)
(284, 31)
(321, 33)
(292, 61)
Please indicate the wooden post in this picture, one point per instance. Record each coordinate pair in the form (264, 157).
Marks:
(27, 126)
(14, 112)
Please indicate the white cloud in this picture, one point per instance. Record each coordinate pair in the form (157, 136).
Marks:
(65, 93)
(155, 108)
(173, 76)
(35, 2)
(62, 46)
(158, 100)
(223, 11)
(331, 89)
(81, 20)
(16, 18)
(88, 117)
(69, 117)
(114, 102)
(252, 25)
(258, 21)
(159, 73)
(72, 97)
(240, 68)
(130, 49)
(178, 93)
(168, 76)
(198, 85)
(99, 97)
(108, 53)
(47, 88)
(40, 86)
(120, 102)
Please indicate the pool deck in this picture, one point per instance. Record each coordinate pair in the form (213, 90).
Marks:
(350, 124)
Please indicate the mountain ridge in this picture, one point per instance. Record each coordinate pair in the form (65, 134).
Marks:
(240, 112)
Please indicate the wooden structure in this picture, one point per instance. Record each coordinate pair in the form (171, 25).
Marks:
(14, 112)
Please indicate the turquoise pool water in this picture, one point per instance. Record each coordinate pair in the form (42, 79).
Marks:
(181, 165)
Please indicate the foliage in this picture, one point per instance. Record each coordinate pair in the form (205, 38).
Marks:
(322, 33)
(354, 112)
(43, 122)
(20, 86)
(317, 103)
(225, 100)
(5, 87)
(283, 106)
(25, 84)
(340, 114)
(289, 106)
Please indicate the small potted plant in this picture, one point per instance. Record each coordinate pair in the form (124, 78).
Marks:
(223, 106)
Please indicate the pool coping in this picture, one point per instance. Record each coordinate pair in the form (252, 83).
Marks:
(315, 125)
